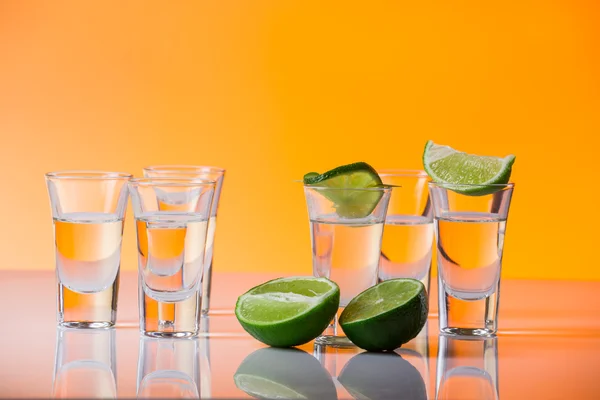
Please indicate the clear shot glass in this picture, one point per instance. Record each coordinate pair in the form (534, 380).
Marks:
(172, 218)
(88, 210)
(470, 225)
(346, 227)
(206, 173)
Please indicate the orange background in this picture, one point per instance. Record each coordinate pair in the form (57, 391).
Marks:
(272, 89)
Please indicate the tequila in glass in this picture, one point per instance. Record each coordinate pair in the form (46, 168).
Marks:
(346, 242)
(347, 252)
(470, 234)
(88, 209)
(171, 247)
(206, 173)
(406, 249)
(407, 243)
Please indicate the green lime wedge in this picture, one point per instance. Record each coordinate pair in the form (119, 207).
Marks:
(386, 315)
(270, 373)
(340, 184)
(446, 165)
(382, 376)
(288, 312)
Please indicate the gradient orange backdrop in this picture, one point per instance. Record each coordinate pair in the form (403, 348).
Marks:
(272, 89)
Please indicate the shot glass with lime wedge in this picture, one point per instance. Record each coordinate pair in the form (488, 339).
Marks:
(346, 208)
(471, 197)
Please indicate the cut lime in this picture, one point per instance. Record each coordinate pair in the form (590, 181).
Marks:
(340, 186)
(386, 315)
(270, 373)
(382, 376)
(446, 165)
(288, 312)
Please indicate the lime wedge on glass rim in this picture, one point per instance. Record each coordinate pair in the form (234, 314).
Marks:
(288, 312)
(454, 168)
(339, 185)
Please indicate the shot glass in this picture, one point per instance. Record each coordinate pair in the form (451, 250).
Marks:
(168, 369)
(467, 368)
(470, 224)
(88, 209)
(346, 227)
(85, 364)
(408, 235)
(171, 217)
(205, 173)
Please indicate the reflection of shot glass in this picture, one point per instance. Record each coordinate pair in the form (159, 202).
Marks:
(85, 364)
(408, 236)
(205, 173)
(467, 368)
(346, 227)
(168, 368)
(172, 217)
(469, 232)
(205, 367)
(88, 209)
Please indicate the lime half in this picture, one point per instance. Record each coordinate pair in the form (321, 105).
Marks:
(386, 315)
(340, 186)
(288, 312)
(446, 165)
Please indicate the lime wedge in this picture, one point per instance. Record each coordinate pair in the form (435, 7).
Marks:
(288, 312)
(270, 373)
(386, 315)
(446, 165)
(340, 186)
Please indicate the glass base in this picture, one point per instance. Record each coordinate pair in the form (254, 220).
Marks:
(468, 332)
(334, 341)
(170, 335)
(86, 324)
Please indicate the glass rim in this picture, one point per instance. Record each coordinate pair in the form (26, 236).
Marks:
(370, 189)
(409, 173)
(446, 185)
(188, 169)
(83, 174)
(172, 182)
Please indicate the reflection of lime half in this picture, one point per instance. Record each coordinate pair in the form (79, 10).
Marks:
(288, 312)
(446, 165)
(340, 186)
(382, 376)
(271, 373)
(264, 388)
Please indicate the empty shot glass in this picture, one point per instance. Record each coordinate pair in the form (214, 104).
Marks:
(172, 217)
(470, 224)
(88, 210)
(346, 227)
(206, 173)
